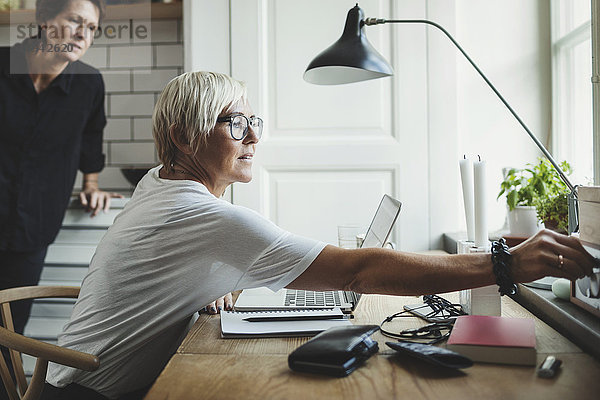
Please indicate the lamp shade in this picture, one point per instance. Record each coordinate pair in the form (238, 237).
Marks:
(350, 59)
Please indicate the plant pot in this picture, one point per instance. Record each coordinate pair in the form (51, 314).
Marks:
(553, 226)
(523, 221)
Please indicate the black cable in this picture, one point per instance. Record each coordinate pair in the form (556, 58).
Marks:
(442, 308)
(433, 332)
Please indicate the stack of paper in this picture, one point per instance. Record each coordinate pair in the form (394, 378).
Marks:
(236, 324)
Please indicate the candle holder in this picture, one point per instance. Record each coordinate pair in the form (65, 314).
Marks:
(483, 300)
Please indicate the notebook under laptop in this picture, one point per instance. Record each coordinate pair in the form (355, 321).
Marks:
(285, 299)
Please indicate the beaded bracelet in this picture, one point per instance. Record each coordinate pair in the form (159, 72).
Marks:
(501, 258)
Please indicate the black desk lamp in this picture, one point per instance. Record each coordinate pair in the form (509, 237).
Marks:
(353, 59)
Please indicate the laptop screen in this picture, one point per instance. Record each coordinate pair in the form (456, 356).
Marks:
(383, 222)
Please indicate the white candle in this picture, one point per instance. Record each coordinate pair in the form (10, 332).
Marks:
(481, 233)
(466, 176)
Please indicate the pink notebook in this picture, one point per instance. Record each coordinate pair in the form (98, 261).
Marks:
(494, 339)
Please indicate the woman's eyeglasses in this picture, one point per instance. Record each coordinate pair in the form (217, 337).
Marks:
(238, 125)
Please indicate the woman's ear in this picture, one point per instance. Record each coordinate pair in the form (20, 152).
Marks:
(179, 140)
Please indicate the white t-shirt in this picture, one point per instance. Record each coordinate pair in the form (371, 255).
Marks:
(172, 250)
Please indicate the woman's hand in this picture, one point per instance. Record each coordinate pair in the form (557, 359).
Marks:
(94, 199)
(222, 303)
(551, 254)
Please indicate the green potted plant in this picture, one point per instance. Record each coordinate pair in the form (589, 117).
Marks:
(553, 211)
(525, 189)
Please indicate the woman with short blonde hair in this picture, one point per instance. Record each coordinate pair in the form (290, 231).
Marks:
(187, 108)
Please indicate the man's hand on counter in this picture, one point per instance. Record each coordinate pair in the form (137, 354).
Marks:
(94, 199)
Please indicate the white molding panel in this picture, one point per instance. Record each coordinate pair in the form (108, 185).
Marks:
(300, 110)
(313, 202)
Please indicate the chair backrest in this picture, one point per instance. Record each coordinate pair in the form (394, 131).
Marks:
(44, 352)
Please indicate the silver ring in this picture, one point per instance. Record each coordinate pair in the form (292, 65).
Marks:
(561, 261)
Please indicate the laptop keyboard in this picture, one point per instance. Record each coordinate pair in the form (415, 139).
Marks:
(310, 298)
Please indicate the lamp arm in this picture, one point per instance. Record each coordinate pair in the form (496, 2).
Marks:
(378, 21)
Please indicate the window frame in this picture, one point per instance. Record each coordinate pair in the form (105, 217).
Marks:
(564, 40)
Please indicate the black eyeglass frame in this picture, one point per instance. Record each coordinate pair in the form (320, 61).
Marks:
(249, 121)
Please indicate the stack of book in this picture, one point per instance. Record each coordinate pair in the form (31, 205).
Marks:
(492, 339)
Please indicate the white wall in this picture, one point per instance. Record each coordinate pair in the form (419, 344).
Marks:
(510, 41)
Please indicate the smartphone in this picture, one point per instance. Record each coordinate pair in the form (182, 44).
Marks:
(426, 312)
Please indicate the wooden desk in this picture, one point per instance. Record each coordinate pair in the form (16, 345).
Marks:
(208, 367)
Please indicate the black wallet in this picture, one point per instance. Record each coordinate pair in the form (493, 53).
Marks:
(337, 351)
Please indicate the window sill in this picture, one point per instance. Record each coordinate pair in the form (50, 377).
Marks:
(571, 321)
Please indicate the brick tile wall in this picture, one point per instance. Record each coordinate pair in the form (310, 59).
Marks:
(135, 70)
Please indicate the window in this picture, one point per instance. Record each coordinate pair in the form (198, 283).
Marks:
(572, 88)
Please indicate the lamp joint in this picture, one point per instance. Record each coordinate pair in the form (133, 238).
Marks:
(374, 21)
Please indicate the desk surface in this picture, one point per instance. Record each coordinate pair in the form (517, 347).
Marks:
(208, 367)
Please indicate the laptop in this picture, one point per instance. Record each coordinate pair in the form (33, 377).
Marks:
(262, 298)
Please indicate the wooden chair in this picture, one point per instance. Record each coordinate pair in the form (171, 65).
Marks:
(44, 352)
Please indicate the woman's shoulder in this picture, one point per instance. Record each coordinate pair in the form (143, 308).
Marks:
(202, 202)
(190, 199)
(85, 69)
(9, 55)
(240, 216)
(4, 57)
(87, 75)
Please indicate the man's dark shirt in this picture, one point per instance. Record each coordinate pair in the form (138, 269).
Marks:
(44, 139)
